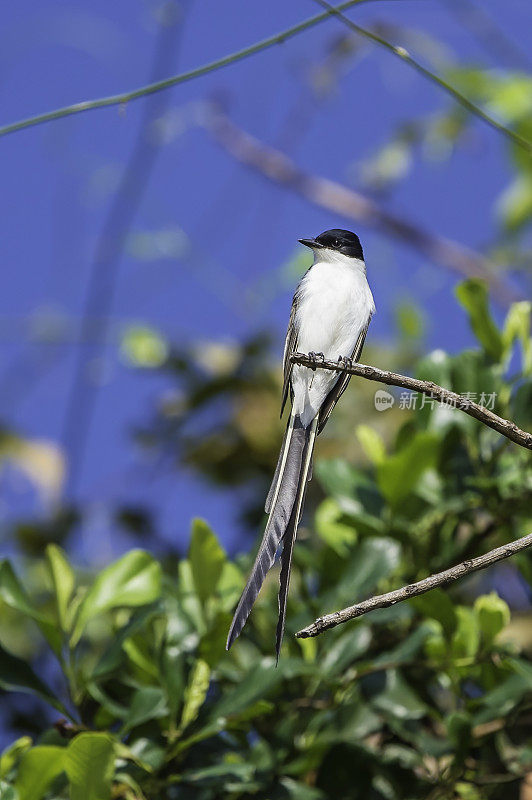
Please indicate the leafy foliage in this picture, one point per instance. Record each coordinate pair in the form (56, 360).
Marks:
(427, 699)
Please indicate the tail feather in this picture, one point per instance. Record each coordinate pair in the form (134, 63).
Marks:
(280, 466)
(289, 537)
(283, 499)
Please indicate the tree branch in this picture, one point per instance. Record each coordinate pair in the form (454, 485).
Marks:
(280, 169)
(405, 56)
(279, 38)
(412, 590)
(445, 396)
(158, 86)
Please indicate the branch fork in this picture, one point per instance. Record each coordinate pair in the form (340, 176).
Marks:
(505, 427)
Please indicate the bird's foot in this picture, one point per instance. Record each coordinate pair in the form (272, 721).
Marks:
(346, 362)
(315, 358)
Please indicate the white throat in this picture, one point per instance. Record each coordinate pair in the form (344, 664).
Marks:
(324, 255)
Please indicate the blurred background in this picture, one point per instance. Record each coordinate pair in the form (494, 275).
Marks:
(154, 234)
(149, 258)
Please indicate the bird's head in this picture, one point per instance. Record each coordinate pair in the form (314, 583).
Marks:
(335, 242)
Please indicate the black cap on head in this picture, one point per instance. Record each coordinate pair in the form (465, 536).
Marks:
(344, 242)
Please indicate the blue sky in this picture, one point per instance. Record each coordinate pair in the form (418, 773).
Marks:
(58, 182)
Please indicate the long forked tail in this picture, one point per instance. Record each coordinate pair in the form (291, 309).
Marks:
(284, 504)
(289, 537)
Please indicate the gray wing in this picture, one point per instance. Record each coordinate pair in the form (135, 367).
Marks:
(290, 347)
(341, 384)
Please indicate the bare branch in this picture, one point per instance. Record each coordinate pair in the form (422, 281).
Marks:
(231, 58)
(280, 169)
(412, 590)
(454, 400)
(405, 56)
(445, 396)
(167, 83)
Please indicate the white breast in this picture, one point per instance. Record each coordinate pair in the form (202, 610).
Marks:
(334, 305)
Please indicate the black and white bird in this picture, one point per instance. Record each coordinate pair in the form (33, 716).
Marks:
(331, 312)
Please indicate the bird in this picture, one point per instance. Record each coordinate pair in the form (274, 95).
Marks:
(331, 312)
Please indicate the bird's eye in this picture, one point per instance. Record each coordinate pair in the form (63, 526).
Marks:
(336, 243)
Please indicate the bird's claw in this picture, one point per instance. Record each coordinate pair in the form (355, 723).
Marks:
(346, 362)
(315, 358)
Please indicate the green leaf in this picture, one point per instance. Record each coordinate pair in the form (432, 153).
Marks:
(514, 206)
(196, 692)
(212, 645)
(437, 605)
(190, 607)
(517, 326)
(493, 616)
(114, 656)
(355, 492)
(14, 595)
(348, 648)
(172, 670)
(89, 765)
(436, 644)
(407, 648)
(466, 638)
(500, 701)
(63, 581)
(17, 676)
(435, 366)
(300, 791)
(505, 94)
(144, 347)
(401, 472)
(133, 580)
(372, 443)
(473, 296)
(255, 685)
(148, 753)
(471, 373)
(229, 587)
(338, 477)
(38, 768)
(459, 730)
(410, 320)
(370, 562)
(336, 534)
(510, 95)
(467, 791)
(206, 558)
(389, 164)
(521, 405)
(12, 754)
(137, 655)
(352, 722)
(217, 774)
(147, 703)
(398, 699)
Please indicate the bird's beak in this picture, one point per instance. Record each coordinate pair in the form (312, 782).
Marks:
(312, 243)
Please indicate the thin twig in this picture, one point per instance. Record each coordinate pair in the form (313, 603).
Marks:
(167, 83)
(405, 56)
(279, 168)
(445, 396)
(414, 589)
(119, 99)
